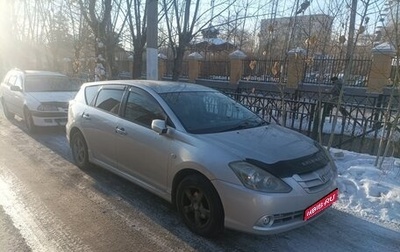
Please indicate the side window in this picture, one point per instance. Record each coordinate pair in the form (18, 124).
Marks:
(18, 81)
(142, 108)
(11, 80)
(90, 94)
(109, 100)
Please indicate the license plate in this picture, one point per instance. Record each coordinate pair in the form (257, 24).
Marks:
(321, 205)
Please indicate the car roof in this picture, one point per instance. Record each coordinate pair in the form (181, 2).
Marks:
(156, 86)
(37, 72)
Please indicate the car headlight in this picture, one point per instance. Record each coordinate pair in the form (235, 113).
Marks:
(47, 107)
(257, 179)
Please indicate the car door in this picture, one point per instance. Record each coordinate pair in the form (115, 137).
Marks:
(99, 121)
(142, 152)
(6, 92)
(11, 96)
(19, 99)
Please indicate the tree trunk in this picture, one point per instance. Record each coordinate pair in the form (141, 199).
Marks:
(177, 69)
(137, 63)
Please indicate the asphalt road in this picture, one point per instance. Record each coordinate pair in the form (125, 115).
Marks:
(48, 204)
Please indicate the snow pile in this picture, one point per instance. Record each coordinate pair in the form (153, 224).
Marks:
(365, 190)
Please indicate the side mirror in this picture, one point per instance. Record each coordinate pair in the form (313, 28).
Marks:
(159, 126)
(15, 88)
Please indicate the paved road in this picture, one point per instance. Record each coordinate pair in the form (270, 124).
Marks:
(48, 204)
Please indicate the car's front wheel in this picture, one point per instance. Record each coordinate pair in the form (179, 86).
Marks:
(199, 205)
(29, 121)
(6, 112)
(79, 150)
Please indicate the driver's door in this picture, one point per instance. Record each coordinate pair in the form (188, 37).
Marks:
(142, 152)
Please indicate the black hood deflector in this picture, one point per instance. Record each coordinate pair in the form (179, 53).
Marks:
(288, 168)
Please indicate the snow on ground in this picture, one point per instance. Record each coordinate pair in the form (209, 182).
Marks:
(367, 191)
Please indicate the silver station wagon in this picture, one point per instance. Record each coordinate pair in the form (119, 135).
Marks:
(220, 164)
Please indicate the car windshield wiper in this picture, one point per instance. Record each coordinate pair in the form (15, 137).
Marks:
(247, 124)
(262, 123)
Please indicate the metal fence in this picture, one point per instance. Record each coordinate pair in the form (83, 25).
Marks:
(316, 70)
(321, 70)
(215, 70)
(184, 69)
(361, 118)
(271, 70)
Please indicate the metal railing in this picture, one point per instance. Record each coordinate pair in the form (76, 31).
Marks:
(320, 71)
(184, 69)
(215, 70)
(361, 118)
(269, 70)
(316, 70)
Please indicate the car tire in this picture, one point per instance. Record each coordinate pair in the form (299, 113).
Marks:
(80, 150)
(6, 112)
(31, 127)
(199, 205)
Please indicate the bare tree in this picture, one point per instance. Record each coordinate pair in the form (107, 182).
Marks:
(235, 24)
(98, 15)
(184, 21)
(83, 49)
(138, 30)
(392, 111)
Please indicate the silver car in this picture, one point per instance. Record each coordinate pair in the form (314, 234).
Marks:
(220, 164)
(39, 97)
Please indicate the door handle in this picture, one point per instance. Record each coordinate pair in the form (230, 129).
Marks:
(120, 131)
(86, 116)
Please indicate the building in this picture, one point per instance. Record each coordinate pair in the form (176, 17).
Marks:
(279, 35)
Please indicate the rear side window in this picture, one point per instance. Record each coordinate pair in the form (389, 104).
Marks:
(109, 100)
(90, 94)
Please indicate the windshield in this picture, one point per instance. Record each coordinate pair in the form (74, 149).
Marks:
(43, 83)
(210, 112)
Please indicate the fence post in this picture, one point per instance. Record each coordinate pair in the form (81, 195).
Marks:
(381, 67)
(295, 71)
(162, 66)
(236, 59)
(194, 66)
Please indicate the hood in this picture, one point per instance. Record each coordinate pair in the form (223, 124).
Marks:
(269, 144)
(52, 96)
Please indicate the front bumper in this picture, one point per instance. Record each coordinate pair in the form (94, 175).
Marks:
(49, 118)
(246, 210)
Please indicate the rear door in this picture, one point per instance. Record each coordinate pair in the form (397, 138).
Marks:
(99, 121)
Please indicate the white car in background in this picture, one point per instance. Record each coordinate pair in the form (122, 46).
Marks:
(39, 97)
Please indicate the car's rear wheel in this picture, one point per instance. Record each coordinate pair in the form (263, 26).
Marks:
(79, 150)
(6, 112)
(199, 205)
(29, 121)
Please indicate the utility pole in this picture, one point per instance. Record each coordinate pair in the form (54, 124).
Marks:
(350, 41)
(151, 39)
